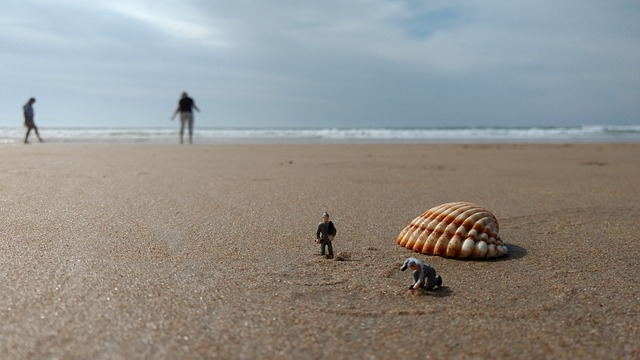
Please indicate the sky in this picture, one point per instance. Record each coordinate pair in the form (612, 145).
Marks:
(329, 63)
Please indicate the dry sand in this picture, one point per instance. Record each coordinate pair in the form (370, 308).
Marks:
(206, 251)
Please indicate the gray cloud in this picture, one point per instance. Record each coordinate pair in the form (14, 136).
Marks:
(329, 63)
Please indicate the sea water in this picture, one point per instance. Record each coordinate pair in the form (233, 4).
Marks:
(426, 135)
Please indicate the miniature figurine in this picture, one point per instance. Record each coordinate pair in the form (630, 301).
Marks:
(421, 272)
(325, 234)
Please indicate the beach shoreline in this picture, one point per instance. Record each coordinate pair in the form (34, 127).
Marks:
(206, 251)
(344, 136)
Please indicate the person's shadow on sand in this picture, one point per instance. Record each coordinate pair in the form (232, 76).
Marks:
(439, 292)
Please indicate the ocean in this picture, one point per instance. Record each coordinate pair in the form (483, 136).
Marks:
(166, 135)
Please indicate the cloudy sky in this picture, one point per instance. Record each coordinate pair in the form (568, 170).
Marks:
(329, 63)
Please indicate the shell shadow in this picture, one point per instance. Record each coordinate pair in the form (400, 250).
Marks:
(515, 252)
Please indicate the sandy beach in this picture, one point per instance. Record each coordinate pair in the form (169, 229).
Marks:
(206, 251)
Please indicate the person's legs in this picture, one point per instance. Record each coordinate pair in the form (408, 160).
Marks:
(28, 122)
(330, 249)
(190, 129)
(37, 134)
(433, 280)
(182, 121)
(186, 119)
(323, 245)
(26, 136)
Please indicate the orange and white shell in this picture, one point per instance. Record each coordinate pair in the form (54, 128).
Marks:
(456, 230)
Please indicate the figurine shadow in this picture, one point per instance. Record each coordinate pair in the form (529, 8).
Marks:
(439, 292)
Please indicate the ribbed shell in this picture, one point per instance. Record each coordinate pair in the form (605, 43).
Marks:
(456, 230)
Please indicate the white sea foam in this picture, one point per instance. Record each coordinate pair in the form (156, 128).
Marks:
(591, 133)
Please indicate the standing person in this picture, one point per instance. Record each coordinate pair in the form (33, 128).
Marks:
(185, 106)
(325, 234)
(424, 275)
(28, 120)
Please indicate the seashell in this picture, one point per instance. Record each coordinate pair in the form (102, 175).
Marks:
(456, 230)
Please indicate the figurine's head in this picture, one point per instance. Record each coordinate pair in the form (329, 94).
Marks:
(409, 263)
(325, 216)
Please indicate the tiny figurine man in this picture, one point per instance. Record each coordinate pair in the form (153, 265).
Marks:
(325, 234)
(421, 272)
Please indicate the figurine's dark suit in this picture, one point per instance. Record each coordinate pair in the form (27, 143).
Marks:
(326, 229)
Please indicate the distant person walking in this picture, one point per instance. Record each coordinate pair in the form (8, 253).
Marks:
(185, 106)
(28, 120)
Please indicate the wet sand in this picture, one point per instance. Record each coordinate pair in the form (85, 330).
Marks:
(206, 251)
